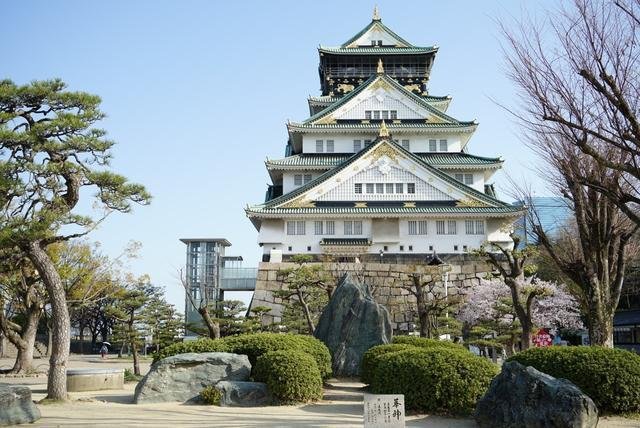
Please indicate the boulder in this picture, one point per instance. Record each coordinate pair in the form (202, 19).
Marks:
(182, 377)
(16, 406)
(243, 394)
(524, 397)
(352, 323)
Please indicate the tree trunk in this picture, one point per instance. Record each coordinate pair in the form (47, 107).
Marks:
(307, 312)
(2, 342)
(50, 339)
(527, 327)
(601, 329)
(81, 339)
(26, 346)
(61, 324)
(212, 326)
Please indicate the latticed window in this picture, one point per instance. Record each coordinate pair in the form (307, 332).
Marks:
(331, 228)
(357, 228)
(394, 114)
(318, 227)
(469, 227)
(369, 187)
(399, 187)
(405, 144)
(358, 187)
(367, 114)
(468, 179)
(433, 146)
(443, 146)
(367, 143)
(385, 114)
(379, 187)
(291, 228)
(319, 146)
(300, 228)
(422, 227)
(307, 178)
(411, 187)
(389, 187)
(330, 146)
(376, 114)
(297, 179)
(459, 177)
(357, 146)
(452, 227)
(348, 227)
(479, 227)
(440, 227)
(413, 227)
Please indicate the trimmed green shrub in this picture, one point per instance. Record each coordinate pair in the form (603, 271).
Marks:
(434, 379)
(611, 377)
(211, 395)
(370, 358)
(198, 346)
(292, 376)
(254, 345)
(423, 342)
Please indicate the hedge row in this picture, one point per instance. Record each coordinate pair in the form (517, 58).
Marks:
(611, 377)
(434, 379)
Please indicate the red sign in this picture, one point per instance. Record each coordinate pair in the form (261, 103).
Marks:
(542, 338)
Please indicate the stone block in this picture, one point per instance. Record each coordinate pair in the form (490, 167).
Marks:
(94, 379)
(16, 406)
(243, 394)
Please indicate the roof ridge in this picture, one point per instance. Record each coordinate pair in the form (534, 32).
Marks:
(371, 24)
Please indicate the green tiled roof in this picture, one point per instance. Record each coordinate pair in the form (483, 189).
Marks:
(322, 161)
(373, 50)
(418, 99)
(345, 241)
(493, 202)
(293, 126)
(326, 99)
(436, 210)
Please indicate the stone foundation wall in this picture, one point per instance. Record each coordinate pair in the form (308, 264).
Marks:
(384, 280)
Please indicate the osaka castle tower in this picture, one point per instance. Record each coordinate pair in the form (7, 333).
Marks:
(379, 170)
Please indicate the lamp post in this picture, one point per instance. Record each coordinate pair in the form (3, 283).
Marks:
(381, 256)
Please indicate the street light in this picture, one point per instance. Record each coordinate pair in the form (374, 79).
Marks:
(381, 255)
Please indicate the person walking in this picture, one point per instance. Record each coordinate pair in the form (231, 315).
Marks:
(104, 351)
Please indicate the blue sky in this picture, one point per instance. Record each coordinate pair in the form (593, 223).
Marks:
(197, 94)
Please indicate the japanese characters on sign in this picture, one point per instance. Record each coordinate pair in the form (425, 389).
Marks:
(384, 411)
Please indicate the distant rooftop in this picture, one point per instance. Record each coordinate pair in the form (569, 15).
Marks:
(221, 241)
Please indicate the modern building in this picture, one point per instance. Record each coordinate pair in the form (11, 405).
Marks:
(209, 273)
(553, 213)
(379, 167)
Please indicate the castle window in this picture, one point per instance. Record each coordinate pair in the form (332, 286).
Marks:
(297, 180)
(443, 146)
(319, 146)
(330, 227)
(385, 114)
(358, 187)
(291, 228)
(464, 248)
(308, 248)
(474, 227)
(455, 248)
(430, 247)
(329, 146)
(367, 143)
(413, 227)
(433, 146)
(399, 187)
(290, 249)
(411, 187)
(300, 226)
(459, 177)
(440, 227)
(410, 247)
(357, 228)
(405, 144)
(452, 227)
(479, 227)
(389, 187)
(422, 227)
(369, 187)
(468, 179)
(307, 178)
(393, 114)
(376, 114)
(357, 146)
(318, 227)
(348, 227)
(379, 187)
(367, 114)
(401, 247)
(385, 248)
(379, 42)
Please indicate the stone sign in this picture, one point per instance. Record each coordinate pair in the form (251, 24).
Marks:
(383, 411)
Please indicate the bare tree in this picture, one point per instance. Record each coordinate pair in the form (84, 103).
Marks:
(202, 304)
(578, 75)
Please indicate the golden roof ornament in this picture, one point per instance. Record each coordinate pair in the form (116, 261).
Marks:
(376, 15)
(380, 69)
(384, 131)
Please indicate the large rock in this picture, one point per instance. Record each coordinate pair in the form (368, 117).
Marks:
(182, 377)
(524, 397)
(352, 323)
(243, 394)
(16, 406)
